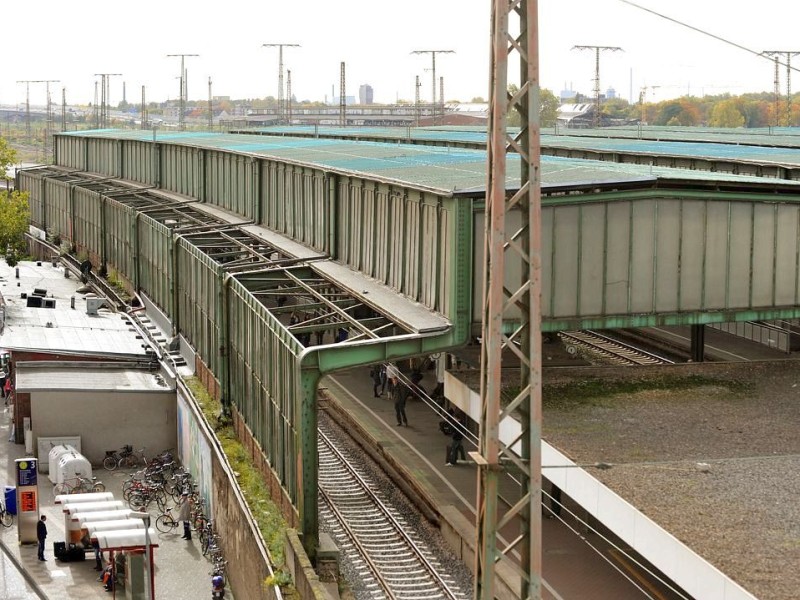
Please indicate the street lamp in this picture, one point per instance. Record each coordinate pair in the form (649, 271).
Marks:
(148, 555)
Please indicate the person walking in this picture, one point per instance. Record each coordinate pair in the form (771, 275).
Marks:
(41, 535)
(98, 555)
(184, 507)
(400, 405)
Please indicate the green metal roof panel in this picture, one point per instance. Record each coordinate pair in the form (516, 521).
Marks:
(444, 170)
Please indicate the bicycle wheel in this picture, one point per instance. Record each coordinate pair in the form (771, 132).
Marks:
(5, 518)
(165, 523)
(99, 487)
(60, 488)
(110, 463)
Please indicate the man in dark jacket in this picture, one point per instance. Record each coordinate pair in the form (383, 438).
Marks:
(41, 535)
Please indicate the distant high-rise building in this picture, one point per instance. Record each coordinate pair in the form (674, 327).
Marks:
(365, 94)
(611, 93)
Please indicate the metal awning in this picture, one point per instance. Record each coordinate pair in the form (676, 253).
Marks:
(84, 498)
(126, 540)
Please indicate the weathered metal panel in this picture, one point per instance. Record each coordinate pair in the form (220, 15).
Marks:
(618, 273)
(103, 155)
(180, 170)
(382, 232)
(566, 245)
(448, 259)
(764, 226)
(119, 244)
(786, 259)
(32, 183)
(717, 242)
(396, 241)
(70, 151)
(57, 195)
(693, 242)
(739, 267)
(264, 375)
(199, 295)
(432, 250)
(548, 236)
(228, 181)
(88, 221)
(365, 233)
(155, 263)
(642, 255)
(138, 158)
(591, 258)
(412, 232)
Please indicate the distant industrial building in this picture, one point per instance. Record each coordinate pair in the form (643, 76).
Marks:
(365, 94)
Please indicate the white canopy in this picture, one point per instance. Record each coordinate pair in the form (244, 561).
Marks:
(88, 497)
(114, 524)
(129, 539)
(101, 515)
(85, 507)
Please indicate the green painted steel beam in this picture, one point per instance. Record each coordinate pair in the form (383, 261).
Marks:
(665, 319)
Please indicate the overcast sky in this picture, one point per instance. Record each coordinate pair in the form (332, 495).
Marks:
(72, 41)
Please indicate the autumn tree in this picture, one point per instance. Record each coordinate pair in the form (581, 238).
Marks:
(14, 210)
(726, 114)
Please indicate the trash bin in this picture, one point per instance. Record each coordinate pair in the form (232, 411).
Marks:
(11, 499)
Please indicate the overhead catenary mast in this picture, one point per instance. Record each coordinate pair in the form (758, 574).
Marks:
(183, 94)
(788, 54)
(433, 54)
(280, 47)
(597, 50)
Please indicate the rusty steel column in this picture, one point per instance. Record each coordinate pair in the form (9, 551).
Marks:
(511, 313)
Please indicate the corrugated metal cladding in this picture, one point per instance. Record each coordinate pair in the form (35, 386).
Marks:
(263, 365)
(181, 170)
(199, 297)
(71, 151)
(87, 207)
(139, 159)
(104, 157)
(395, 235)
(154, 263)
(58, 207)
(669, 256)
(120, 239)
(33, 184)
(229, 182)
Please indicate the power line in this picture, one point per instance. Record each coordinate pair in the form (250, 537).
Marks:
(703, 32)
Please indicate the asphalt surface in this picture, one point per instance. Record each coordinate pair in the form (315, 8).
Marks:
(181, 571)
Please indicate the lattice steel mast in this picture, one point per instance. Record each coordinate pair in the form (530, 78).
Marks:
(597, 50)
(788, 54)
(183, 94)
(280, 48)
(506, 303)
(433, 54)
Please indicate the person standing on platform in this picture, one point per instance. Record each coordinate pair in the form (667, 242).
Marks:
(184, 506)
(41, 535)
(457, 445)
(375, 373)
(400, 404)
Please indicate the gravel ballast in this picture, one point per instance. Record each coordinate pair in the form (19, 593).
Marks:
(711, 452)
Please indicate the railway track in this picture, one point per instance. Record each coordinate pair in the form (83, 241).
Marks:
(391, 560)
(614, 350)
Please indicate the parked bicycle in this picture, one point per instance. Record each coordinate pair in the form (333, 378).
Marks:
(6, 518)
(78, 485)
(119, 458)
(165, 522)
